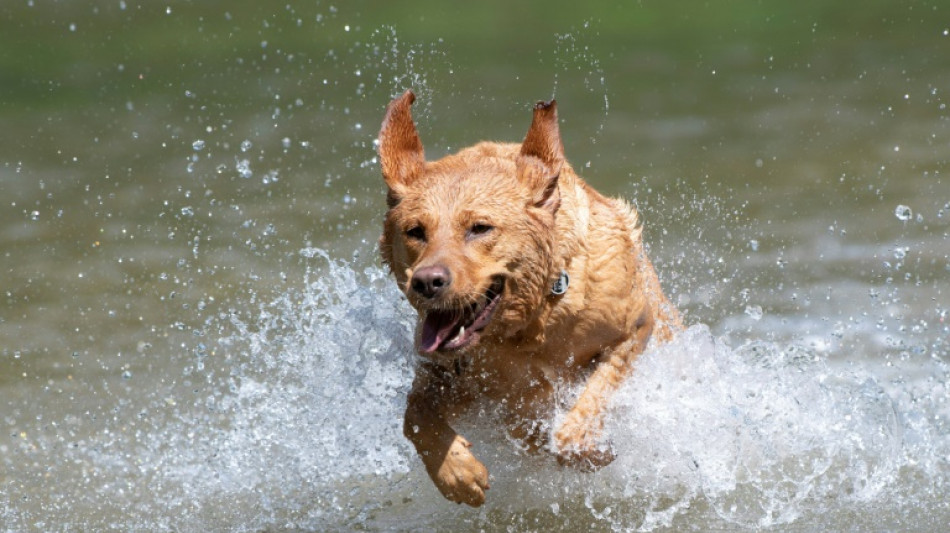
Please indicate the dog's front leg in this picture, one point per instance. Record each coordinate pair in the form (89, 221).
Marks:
(457, 474)
(579, 440)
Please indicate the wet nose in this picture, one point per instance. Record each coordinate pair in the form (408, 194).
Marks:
(430, 281)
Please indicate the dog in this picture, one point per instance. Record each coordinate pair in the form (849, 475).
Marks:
(526, 281)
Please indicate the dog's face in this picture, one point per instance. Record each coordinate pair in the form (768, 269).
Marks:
(470, 237)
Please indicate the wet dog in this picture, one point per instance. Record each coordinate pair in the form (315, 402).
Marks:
(526, 281)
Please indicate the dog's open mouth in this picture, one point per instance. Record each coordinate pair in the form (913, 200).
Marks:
(454, 329)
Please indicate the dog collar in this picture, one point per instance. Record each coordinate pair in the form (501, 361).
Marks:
(560, 286)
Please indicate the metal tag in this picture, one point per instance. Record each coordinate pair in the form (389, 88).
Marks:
(560, 286)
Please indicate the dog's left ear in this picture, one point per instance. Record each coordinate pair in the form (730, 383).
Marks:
(400, 150)
(543, 145)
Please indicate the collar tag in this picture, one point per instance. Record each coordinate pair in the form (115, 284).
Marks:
(560, 286)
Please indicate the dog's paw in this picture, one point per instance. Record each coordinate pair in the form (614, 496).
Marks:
(581, 446)
(461, 477)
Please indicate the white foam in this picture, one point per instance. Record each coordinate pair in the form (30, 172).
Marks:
(755, 436)
(305, 432)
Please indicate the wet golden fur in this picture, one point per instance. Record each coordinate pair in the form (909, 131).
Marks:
(513, 216)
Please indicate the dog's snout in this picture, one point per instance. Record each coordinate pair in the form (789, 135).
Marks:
(430, 281)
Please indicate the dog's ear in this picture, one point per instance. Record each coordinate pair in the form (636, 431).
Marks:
(541, 181)
(544, 138)
(400, 150)
(543, 145)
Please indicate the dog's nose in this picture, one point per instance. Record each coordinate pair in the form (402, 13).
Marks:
(430, 281)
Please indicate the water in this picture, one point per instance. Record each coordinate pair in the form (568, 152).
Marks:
(195, 332)
(302, 430)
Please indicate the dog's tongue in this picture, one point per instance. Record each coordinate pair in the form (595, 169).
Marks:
(437, 328)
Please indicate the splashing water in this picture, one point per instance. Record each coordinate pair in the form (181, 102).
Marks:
(903, 213)
(574, 60)
(305, 433)
(316, 416)
(755, 436)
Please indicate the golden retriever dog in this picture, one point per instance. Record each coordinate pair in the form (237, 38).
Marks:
(527, 282)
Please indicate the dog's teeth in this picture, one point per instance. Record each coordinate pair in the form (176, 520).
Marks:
(459, 334)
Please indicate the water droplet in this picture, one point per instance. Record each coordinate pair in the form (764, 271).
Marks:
(903, 213)
(243, 168)
(754, 311)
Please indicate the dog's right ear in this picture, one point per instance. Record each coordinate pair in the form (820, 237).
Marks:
(400, 150)
(542, 156)
(544, 137)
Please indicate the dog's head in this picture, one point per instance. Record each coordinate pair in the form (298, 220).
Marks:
(471, 237)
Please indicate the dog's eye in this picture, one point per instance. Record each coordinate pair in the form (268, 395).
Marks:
(416, 232)
(479, 229)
